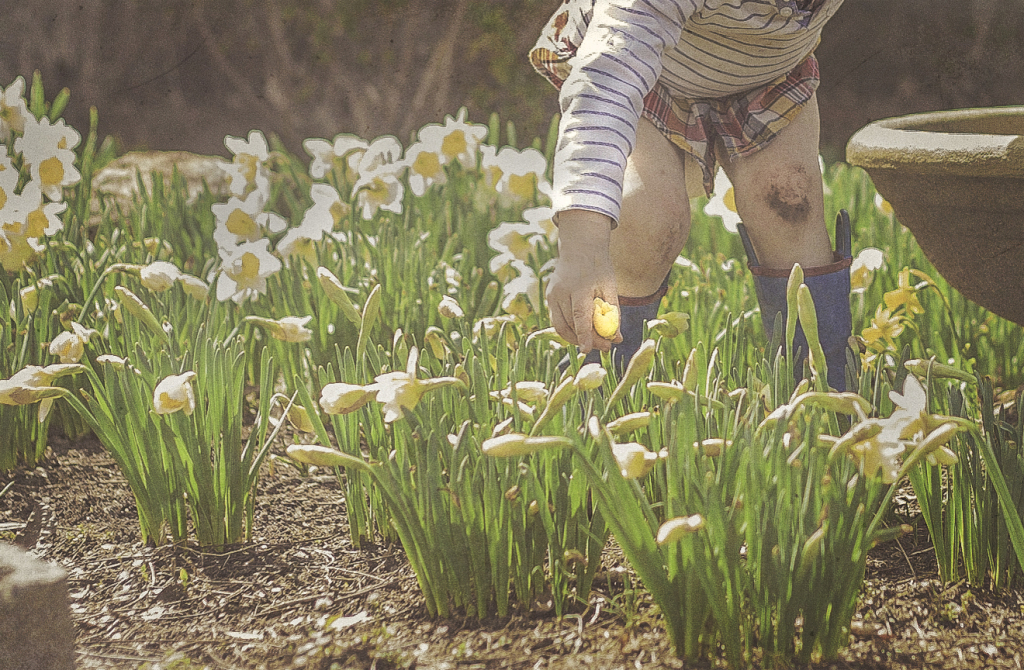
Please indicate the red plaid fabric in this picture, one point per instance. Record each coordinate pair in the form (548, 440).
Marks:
(745, 123)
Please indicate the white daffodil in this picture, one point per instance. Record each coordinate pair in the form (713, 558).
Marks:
(635, 460)
(675, 529)
(883, 205)
(34, 384)
(244, 271)
(341, 155)
(521, 173)
(449, 308)
(455, 140)
(8, 177)
(526, 391)
(380, 189)
(321, 218)
(287, 329)
(247, 169)
(110, 359)
(16, 250)
(159, 276)
(541, 220)
(243, 220)
(400, 391)
(521, 295)
(723, 202)
(590, 377)
(383, 152)
(40, 218)
(194, 287)
(14, 112)
(174, 393)
(425, 167)
(342, 398)
(47, 149)
(70, 345)
(865, 263)
(513, 242)
(911, 409)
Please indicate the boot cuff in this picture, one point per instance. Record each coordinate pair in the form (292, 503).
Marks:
(837, 264)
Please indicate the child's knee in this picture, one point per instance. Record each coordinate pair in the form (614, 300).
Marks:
(790, 193)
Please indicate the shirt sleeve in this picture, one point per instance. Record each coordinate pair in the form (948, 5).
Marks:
(615, 67)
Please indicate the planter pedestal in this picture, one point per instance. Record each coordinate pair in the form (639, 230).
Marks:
(35, 623)
(956, 180)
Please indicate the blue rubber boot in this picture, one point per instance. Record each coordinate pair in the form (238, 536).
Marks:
(633, 314)
(830, 288)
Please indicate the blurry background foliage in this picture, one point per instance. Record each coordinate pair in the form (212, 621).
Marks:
(182, 74)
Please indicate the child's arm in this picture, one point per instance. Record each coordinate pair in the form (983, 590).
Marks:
(616, 65)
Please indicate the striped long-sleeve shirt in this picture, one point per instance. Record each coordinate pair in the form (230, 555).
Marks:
(698, 49)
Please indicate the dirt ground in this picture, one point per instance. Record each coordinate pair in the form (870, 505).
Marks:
(299, 595)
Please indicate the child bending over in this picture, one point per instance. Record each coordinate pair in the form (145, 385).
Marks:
(654, 94)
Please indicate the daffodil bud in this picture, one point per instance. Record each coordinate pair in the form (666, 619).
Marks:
(449, 308)
(29, 298)
(669, 391)
(590, 377)
(713, 446)
(675, 529)
(336, 293)
(938, 437)
(796, 279)
(670, 325)
(299, 418)
(629, 423)
(606, 319)
(690, 372)
(518, 444)
(113, 361)
(809, 552)
(634, 460)
(921, 368)
(16, 394)
(159, 276)
(639, 365)
(342, 398)
(852, 404)
(809, 319)
(325, 457)
(194, 287)
(435, 340)
(139, 310)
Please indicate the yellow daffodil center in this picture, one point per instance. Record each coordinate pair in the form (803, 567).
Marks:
(35, 224)
(241, 224)
(377, 190)
(248, 164)
(51, 171)
(522, 186)
(454, 144)
(729, 199)
(339, 211)
(427, 164)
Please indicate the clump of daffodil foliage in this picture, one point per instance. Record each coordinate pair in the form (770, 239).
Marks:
(381, 307)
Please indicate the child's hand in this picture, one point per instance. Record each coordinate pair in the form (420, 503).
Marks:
(583, 271)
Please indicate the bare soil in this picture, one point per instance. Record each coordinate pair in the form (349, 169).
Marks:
(300, 596)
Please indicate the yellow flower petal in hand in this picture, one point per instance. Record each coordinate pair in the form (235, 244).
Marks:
(606, 319)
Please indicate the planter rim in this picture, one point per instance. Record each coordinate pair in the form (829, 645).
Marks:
(906, 144)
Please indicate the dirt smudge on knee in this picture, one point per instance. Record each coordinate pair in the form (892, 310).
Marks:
(787, 197)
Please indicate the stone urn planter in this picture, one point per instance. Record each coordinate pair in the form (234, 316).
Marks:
(956, 180)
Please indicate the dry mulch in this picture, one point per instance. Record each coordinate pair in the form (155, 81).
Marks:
(300, 596)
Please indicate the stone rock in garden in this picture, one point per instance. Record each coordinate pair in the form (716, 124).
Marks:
(35, 622)
(119, 178)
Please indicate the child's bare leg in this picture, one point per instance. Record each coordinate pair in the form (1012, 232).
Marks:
(779, 196)
(655, 217)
